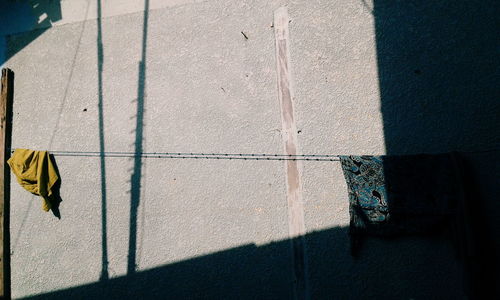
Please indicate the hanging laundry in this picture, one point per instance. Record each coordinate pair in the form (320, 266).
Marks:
(37, 174)
(401, 195)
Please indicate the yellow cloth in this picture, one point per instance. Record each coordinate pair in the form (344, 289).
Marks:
(36, 173)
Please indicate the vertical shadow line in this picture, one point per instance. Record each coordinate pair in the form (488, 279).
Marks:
(100, 60)
(135, 181)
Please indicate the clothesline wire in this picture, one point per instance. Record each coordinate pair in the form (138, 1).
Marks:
(199, 155)
(207, 157)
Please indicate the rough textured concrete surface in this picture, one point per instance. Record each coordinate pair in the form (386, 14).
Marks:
(179, 76)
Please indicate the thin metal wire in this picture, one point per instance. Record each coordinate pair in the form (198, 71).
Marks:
(193, 155)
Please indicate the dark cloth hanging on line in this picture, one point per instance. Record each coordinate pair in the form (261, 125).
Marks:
(402, 195)
(424, 194)
(37, 173)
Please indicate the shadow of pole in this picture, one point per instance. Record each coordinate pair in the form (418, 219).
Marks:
(100, 60)
(135, 181)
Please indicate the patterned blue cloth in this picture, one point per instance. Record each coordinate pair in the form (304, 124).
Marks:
(400, 195)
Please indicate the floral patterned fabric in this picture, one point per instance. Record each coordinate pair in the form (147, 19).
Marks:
(400, 195)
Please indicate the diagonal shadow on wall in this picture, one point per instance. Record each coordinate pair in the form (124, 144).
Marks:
(21, 16)
(264, 272)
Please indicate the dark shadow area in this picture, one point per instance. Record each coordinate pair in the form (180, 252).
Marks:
(22, 16)
(100, 61)
(56, 191)
(439, 77)
(265, 272)
(135, 180)
(482, 211)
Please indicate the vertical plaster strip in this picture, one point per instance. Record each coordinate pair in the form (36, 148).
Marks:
(296, 227)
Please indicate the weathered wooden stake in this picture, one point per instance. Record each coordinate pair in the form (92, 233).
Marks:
(6, 98)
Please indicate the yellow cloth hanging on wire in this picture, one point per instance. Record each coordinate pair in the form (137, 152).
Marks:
(36, 173)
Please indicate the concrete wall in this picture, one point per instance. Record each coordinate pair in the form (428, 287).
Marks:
(219, 228)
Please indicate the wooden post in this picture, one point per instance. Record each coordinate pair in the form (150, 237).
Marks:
(6, 97)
